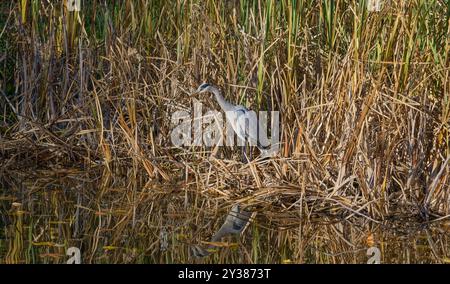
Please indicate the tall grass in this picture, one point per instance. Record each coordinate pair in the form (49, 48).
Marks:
(363, 98)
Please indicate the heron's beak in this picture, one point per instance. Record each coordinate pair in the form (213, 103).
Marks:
(194, 93)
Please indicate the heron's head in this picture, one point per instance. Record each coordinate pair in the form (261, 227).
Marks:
(202, 88)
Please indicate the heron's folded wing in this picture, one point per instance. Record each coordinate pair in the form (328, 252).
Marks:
(247, 125)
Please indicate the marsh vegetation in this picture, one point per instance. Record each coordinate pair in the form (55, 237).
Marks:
(86, 160)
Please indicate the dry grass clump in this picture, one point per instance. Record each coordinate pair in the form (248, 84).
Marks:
(88, 96)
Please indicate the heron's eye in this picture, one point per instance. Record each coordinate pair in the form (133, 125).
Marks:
(203, 86)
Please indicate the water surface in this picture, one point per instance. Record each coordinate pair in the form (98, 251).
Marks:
(45, 213)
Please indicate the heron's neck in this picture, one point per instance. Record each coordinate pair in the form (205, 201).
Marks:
(226, 106)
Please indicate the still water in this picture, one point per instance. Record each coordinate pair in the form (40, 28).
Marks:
(68, 216)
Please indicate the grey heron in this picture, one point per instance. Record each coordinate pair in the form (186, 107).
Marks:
(240, 118)
(235, 222)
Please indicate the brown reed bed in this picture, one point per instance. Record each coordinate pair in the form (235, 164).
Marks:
(85, 121)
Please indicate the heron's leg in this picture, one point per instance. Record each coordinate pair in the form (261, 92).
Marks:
(244, 154)
(214, 152)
